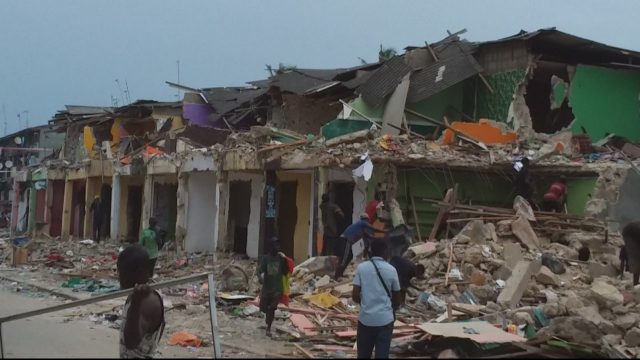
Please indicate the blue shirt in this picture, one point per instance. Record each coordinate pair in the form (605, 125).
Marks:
(356, 231)
(375, 305)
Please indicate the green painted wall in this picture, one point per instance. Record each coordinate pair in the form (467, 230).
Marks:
(493, 106)
(478, 188)
(606, 100)
(437, 105)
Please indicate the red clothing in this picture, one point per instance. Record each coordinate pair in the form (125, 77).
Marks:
(371, 210)
(556, 192)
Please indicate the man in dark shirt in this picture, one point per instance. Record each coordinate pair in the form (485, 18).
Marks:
(270, 273)
(331, 213)
(523, 183)
(354, 232)
(407, 270)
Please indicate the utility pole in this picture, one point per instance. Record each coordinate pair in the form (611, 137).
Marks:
(178, 63)
(4, 116)
(120, 89)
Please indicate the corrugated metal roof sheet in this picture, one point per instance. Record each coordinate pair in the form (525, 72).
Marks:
(384, 80)
(225, 99)
(441, 75)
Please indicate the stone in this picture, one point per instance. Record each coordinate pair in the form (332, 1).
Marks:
(632, 338)
(195, 309)
(523, 318)
(474, 230)
(551, 296)
(493, 307)
(547, 277)
(620, 310)
(473, 255)
(575, 329)
(563, 251)
(512, 254)
(478, 278)
(323, 281)
(609, 328)
(626, 322)
(552, 310)
(503, 273)
(489, 232)
(612, 339)
(462, 239)
(597, 269)
(484, 293)
(319, 265)
(517, 283)
(606, 295)
(447, 354)
(522, 229)
(423, 250)
(468, 269)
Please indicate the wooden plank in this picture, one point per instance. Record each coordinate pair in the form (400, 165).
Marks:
(303, 324)
(415, 216)
(306, 353)
(446, 276)
(441, 214)
(402, 331)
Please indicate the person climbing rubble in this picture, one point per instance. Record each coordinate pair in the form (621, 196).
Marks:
(143, 313)
(556, 196)
(377, 289)
(406, 270)
(522, 182)
(272, 270)
(331, 215)
(361, 229)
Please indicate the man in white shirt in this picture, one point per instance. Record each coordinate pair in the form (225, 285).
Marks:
(377, 289)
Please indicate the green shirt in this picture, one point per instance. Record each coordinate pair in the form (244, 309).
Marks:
(274, 268)
(148, 240)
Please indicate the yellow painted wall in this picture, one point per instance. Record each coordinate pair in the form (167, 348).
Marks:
(303, 204)
(89, 141)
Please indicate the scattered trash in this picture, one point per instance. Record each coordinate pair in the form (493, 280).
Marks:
(184, 338)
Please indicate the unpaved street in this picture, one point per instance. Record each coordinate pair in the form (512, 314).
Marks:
(48, 336)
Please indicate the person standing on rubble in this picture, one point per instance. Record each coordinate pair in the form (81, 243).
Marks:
(270, 274)
(556, 196)
(331, 214)
(523, 183)
(361, 229)
(143, 313)
(149, 240)
(96, 210)
(377, 289)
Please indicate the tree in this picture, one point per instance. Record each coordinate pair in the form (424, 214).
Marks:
(281, 68)
(386, 53)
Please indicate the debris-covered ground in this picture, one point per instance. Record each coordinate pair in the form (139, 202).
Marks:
(511, 281)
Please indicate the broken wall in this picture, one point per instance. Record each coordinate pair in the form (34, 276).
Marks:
(305, 115)
(480, 102)
(606, 101)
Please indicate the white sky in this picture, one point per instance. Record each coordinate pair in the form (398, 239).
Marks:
(71, 51)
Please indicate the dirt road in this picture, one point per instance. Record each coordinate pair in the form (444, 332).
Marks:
(49, 336)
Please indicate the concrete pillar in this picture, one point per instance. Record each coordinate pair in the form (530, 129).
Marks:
(93, 187)
(222, 196)
(182, 208)
(115, 207)
(15, 205)
(147, 200)
(66, 209)
(31, 222)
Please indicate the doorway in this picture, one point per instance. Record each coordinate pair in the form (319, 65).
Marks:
(134, 212)
(341, 193)
(165, 207)
(287, 215)
(239, 213)
(57, 206)
(78, 208)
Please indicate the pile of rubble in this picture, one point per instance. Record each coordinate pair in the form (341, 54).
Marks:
(513, 282)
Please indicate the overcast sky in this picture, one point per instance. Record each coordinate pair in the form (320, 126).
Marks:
(72, 51)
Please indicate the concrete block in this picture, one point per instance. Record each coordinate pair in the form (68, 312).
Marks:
(597, 269)
(522, 229)
(512, 254)
(518, 282)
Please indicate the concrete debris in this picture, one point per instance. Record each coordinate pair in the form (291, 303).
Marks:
(606, 295)
(546, 277)
(517, 283)
(632, 337)
(521, 228)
